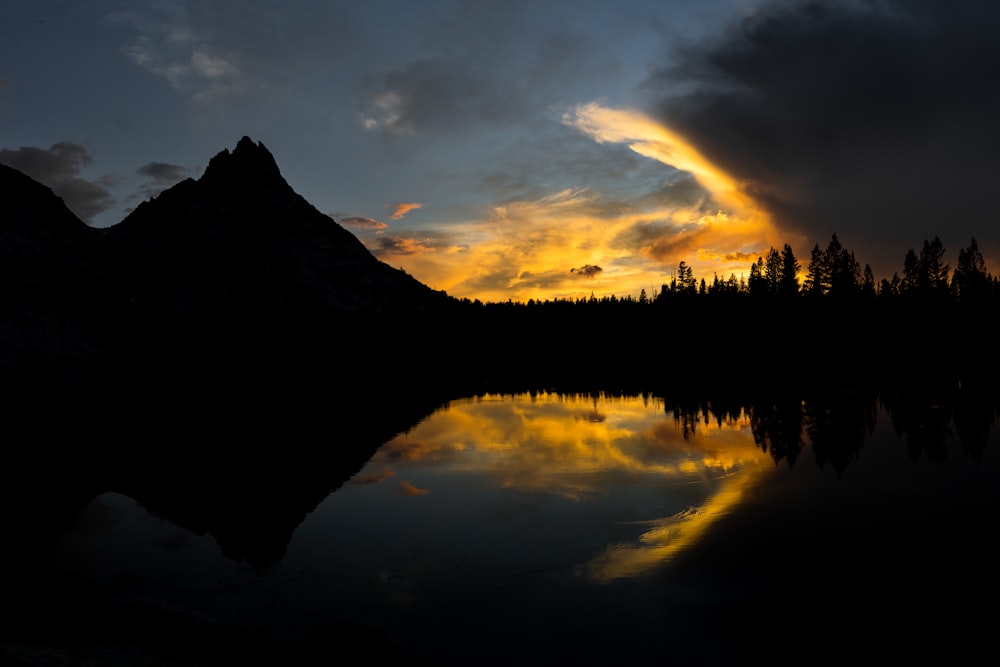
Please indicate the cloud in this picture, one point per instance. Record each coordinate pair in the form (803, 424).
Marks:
(163, 173)
(651, 139)
(534, 249)
(401, 209)
(871, 120)
(437, 94)
(487, 65)
(190, 68)
(587, 270)
(226, 49)
(363, 223)
(159, 176)
(386, 246)
(59, 167)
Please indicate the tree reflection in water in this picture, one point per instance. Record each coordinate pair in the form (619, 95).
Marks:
(575, 525)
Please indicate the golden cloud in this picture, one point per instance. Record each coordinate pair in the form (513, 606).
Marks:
(400, 209)
(364, 223)
(534, 249)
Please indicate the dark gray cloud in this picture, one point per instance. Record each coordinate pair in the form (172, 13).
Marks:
(874, 120)
(59, 167)
(163, 173)
(587, 270)
(437, 94)
(384, 245)
(159, 176)
(392, 245)
(484, 64)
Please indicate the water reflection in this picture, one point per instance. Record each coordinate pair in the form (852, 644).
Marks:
(568, 527)
(661, 481)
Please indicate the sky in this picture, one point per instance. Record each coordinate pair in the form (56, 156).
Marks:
(540, 149)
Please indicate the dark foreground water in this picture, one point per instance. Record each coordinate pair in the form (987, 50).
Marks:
(559, 529)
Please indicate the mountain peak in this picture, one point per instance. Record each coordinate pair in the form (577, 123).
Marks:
(248, 162)
(240, 240)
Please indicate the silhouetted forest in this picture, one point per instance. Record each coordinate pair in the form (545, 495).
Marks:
(837, 324)
(833, 277)
(810, 362)
(832, 274)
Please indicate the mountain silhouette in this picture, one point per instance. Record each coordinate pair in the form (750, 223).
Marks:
(240, 236)
(213, 355)
(235, 260)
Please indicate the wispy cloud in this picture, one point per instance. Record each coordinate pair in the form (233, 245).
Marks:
(189, 65)
(487, 65)
(400, 209)
(163, 172)
(398, 246)
(361, 222)
(225, 49)
(651, 139)
(575, 242)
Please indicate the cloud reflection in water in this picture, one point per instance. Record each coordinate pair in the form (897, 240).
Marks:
(625, 453)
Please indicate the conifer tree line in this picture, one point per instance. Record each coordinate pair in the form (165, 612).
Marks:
(826, 324)
(831, 274)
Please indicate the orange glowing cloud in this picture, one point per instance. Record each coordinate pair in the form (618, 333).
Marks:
(651, 139)
(535, 249)
(551, 247)
(364, 223)
(402, 208)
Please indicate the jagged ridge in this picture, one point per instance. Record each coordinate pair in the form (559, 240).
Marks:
(235, 257)
(241, 232)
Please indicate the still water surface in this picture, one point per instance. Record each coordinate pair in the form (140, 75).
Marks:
(544, 528)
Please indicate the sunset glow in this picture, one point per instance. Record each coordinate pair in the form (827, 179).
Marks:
(534, 249)
(549, 151)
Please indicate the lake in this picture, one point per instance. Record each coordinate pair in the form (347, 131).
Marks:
(590, 528)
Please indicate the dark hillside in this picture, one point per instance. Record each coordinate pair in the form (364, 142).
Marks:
(50, 264)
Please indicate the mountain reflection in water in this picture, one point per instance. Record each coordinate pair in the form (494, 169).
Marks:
(594, 528)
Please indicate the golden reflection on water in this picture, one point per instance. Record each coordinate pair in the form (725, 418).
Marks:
(577, 447)
(670, 535)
